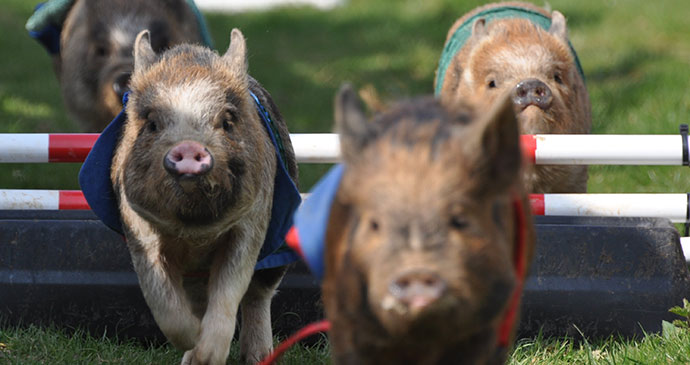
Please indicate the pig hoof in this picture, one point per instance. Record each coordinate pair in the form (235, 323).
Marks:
(187, 358)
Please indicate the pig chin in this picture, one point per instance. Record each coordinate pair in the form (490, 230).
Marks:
(185, 203)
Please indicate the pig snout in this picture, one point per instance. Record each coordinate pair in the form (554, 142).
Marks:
(417, 289)
(532, 92)
(121, 84)
(189, 159)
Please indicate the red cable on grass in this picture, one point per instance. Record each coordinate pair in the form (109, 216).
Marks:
(311, 329)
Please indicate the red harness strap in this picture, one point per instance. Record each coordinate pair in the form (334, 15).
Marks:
(310, 329)
(506, 326)
(508, 322)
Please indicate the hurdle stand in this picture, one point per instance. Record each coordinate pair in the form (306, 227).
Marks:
(618, 222)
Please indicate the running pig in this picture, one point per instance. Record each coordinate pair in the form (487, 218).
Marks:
(429, 235)
(202, 173)
(522, 48)
(93, 57)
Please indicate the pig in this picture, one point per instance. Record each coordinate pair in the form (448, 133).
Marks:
(421, 246)
(95, 62)
(193, 173)
(520, 47)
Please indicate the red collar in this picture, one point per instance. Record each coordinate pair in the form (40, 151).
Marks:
(507, 324)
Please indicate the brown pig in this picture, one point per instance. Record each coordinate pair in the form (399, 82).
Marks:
(94, 59)
(429, 234)
(522, 48)
(196, 171)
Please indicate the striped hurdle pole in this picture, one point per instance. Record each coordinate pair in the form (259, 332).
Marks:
(657, 205)
(671, 206)
(542, 149)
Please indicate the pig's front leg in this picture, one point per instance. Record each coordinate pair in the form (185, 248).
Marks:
(165, 296)
(256, 336)
(231, 273)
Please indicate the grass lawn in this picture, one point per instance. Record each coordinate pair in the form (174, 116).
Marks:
(635, 55)
(53, 346)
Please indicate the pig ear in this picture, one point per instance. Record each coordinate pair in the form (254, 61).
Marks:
(479, 29)
(492, 145)
(236, 54)
(558, 25)
(144, 55)
(350, 122)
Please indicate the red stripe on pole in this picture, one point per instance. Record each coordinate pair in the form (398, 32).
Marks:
(529, 147)
(70, 147)
(537, 203)
(72, 199)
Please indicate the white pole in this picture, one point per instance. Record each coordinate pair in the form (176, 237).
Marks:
(316, 147)
(24, 147)
(608, 149)
(578, 149)
(685, 245)
(29, 199)
(671, 206)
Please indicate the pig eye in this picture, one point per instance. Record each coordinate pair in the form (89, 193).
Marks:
(101, 51)
(557, 78)
(374, 225)
(226, 125)
(228, 118)
(458, 222)
(492, 84)
(151, 124)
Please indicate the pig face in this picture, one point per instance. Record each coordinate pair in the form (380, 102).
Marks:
(184, 158)
(422, 231)
(537, 65)
(97, 46)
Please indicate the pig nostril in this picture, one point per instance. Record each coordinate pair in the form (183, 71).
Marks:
(188, 159)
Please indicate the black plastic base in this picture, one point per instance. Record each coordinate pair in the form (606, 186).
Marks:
(597, 276)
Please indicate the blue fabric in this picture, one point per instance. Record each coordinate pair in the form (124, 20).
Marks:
(311, 219)
(94, 175)
(94, 179)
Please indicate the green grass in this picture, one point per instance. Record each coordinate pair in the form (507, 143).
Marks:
(635, 54)
(53, 346)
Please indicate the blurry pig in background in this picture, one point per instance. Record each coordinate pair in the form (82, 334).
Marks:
(522, 48)
(429, 235)
(93, 58)
(203, 173)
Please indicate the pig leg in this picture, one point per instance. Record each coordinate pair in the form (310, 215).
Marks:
(160, 283)
(231, 273)
(165, 296)
(256, 336)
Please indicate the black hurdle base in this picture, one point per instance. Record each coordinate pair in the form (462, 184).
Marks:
(591, 276)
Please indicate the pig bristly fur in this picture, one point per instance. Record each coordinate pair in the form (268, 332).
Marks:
(518, 47)
(419, 246)
(194, 173)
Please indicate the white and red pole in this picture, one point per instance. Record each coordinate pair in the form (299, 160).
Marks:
(670, 206)
(542, 149)
(37, 147)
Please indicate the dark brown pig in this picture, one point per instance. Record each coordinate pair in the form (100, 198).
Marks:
(194, 173)
(95, 61)
(522, 48)
(429, 235)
